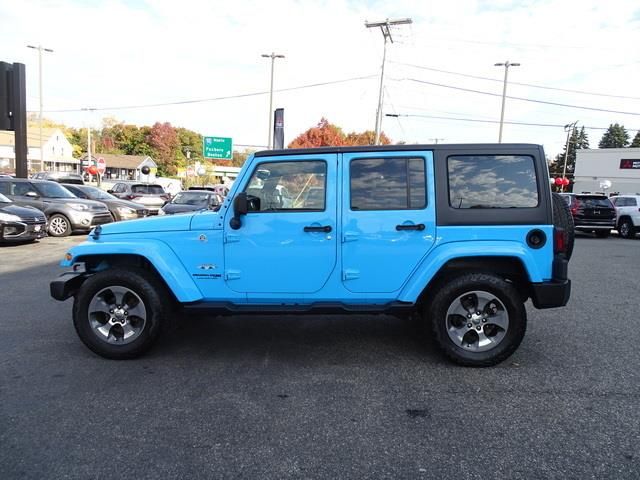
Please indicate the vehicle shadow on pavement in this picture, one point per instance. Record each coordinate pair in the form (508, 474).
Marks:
(299, 339)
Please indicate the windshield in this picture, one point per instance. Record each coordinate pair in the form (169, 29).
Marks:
(53, 190)
(4, 199)
(594, 202)
(96, 194)
(191, 198)
(150, 189)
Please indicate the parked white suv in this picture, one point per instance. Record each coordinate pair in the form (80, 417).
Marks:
(627, 214)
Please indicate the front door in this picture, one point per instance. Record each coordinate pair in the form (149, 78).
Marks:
(287, 241)
(388, 218)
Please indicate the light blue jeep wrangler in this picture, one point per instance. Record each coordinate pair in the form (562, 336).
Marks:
(462, 235)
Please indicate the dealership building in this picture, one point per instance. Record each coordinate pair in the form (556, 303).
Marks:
(596, 169)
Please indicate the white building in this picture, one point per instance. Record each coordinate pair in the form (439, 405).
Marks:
(620, 166)
(57, 152)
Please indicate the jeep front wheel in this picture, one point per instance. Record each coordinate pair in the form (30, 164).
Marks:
(478, 319)
(118, 313)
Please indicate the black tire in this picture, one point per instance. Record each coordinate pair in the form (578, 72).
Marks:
(625, 229)
(152, 293)
(447, 293)
(58, 220)
(563, 219)
(602, 233)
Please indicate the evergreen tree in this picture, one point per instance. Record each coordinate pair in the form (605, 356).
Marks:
(616, 136)
(636, 141)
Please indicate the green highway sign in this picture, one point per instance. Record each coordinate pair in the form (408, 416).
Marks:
(220, 148)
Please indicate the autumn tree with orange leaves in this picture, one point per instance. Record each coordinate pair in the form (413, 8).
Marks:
(326, 134)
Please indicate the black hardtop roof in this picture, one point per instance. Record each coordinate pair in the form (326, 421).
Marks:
(396, 148)
(32, 180)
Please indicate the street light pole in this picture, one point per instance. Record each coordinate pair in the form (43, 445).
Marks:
(506, 66)
(273, 57)
(40, 49)
(567, 128)
(386, 33)
(88, 133)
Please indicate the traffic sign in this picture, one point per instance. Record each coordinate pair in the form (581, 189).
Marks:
(190, 171)
(102, 165)
(220, 148)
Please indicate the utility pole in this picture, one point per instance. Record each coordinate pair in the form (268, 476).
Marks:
(567, 128)
(273, 57)
(436, 140)
(40, 49)
(88, 134)
(506, 66)
(386, 33)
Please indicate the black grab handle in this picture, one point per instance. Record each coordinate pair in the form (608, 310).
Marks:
(419, 226)
(325, 229)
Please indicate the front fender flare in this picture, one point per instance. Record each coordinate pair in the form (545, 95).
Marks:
(158, 253)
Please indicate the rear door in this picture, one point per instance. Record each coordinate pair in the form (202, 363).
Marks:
(594, 208)
(388, 222)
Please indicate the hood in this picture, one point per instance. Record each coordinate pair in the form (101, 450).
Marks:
(92, 204)
(176, 208)
(173, 223)
(25, 213)
(112, 202)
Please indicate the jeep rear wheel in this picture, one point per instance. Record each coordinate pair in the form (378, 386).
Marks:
(118, 313)
(478, 319)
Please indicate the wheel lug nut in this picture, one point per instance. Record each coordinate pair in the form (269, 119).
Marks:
(477, 313)
(469, 325)
(478, 328)
(468, 315)
(484, 320)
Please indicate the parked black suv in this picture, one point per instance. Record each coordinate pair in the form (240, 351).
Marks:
(65, 212)
(591, 213)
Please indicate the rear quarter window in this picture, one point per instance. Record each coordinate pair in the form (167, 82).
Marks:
(492, 181)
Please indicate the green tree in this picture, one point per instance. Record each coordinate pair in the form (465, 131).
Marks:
(636, 141)
(616, 136)
(190, 143)
(578, 139)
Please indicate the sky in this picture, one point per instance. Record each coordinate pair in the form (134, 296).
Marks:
(119, 53)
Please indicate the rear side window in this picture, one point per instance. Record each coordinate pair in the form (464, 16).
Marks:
(388, 184)
(625, 202)
(492, 181)
(5, 188)
(593, 202)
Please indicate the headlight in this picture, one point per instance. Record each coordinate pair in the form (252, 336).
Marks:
(6, 217)
(126, 211)
(161, 212)
(78, 206)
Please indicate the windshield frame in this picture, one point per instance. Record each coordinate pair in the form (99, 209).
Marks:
(5, 199)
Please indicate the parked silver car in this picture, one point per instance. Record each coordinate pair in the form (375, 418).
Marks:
(65, 212)
(151, 195)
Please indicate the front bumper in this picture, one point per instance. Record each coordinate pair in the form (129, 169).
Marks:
(66, 285)
(22, 231)
(85, 221)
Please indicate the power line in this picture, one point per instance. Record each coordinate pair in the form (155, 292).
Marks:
(544, 87)
(214, 99)
(477, 120)
(544, 102)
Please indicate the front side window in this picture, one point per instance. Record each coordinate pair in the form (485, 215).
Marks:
(53, 190)
(388, 184)
(492, 181)
(288, 186)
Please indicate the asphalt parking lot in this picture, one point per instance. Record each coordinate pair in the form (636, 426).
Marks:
(322, 397)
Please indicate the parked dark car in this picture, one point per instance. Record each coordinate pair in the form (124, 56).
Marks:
(65, 212)
(220, 189)
(192, 200)
(20, 224)
(151, 195)
(60, 177)
(120, 209)
(591, 213)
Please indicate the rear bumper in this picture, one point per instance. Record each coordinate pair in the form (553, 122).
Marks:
(551, 294)
(66, 285)
(556, 292)
(595, 224)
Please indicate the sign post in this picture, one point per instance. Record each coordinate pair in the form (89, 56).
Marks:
(217, 148)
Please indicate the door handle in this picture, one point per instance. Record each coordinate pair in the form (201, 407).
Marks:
(325, 229)
(419, 226)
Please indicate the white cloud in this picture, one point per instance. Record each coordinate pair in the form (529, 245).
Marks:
(130, 53)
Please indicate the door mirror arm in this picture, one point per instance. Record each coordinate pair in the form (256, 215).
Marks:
(239, 209)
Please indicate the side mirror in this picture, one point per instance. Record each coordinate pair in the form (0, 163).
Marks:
(239, 209)
(32, 194)
(109, 191)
